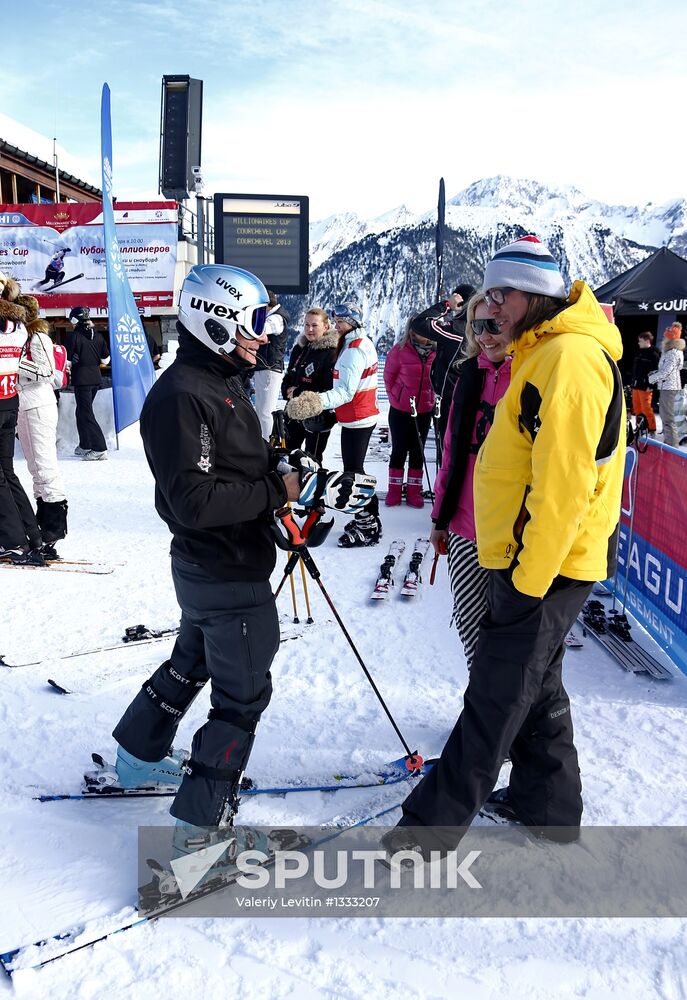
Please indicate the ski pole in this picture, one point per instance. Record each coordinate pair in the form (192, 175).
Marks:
(305, 593)
(279, 435)
(413, 760)
(413, 413)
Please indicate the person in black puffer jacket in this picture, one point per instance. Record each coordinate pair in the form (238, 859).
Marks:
(86, 351)
(311, 367)
(444, 323)
(645, 360)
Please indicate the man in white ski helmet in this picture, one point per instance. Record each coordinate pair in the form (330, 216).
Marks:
(217, 483)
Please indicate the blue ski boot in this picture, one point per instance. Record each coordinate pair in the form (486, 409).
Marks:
(134, 773)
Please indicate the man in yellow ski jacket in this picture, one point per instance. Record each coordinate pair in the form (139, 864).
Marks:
(549, 476)
(548, 484)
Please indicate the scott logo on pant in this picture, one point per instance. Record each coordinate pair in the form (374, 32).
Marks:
(224, 312)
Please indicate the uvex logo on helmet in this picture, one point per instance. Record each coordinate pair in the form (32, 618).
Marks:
(230, 288)
(214, 308)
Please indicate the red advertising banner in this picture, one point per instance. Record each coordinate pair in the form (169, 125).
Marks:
(652, 554)
(57, 252)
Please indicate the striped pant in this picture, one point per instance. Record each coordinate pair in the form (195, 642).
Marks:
(469, 588)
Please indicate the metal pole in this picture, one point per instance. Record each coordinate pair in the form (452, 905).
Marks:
(57, 172)
(200, 235)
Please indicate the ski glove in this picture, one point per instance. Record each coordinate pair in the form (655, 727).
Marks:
(345, 491)
(297, 461)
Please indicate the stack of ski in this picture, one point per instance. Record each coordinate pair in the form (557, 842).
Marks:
(385, 580)
(413, 578)
(612, 630)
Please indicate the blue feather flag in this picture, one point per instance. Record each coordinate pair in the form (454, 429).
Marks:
(132, 367)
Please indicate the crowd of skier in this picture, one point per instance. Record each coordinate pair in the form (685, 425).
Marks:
(520, 385)
(527, 507)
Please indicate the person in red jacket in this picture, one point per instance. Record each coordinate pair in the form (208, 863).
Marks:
(406, 377)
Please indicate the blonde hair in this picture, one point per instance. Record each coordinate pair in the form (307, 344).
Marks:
(316, 311)
(472, 348)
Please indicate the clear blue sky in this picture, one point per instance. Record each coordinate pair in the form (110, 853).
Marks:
(364, 104)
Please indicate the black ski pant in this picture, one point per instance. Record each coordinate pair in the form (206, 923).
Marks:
(90, 435)
(514, 703)
(18, 525)
(315, 442)
(408, 436)
(229, 634)
(354, 445)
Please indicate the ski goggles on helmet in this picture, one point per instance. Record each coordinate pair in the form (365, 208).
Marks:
(344, 311)
(250, 320)
(482, 326)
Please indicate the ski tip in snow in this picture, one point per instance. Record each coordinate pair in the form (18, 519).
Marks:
(57, 687)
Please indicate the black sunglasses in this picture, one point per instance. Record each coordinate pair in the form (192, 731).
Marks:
(482, 326)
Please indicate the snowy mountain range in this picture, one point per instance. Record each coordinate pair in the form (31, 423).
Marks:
(388, 263)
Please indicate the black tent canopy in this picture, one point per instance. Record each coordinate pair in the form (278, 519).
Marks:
(655, 287)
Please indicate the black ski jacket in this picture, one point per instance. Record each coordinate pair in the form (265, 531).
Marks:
(447, 330)
(467, 394)
(311, 365)
(646, 360)
(215, 484)
(86, 348)
(272, 353)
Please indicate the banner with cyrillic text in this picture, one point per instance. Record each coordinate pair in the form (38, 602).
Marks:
(57, 252)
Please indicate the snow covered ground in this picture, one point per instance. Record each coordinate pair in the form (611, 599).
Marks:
(64, 862)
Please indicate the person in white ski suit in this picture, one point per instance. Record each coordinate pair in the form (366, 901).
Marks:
(37, 424)
(20, 536)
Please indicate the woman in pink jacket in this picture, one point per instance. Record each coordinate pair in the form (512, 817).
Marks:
(483, 379)
(406, 377)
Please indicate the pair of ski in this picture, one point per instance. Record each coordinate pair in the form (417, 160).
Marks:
(102, 784)
(413, 577)
(613, 631)
(56, 946)
(56, 287)
(64, 566)
(138, 635)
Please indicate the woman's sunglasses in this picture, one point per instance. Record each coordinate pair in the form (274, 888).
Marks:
(482, 326)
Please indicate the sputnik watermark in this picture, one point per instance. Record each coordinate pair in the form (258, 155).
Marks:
(442, 871)
(495, 871)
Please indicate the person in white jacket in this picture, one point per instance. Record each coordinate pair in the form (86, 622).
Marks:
(20, 536)
(37, 427)
(667, 379)
(353, 397)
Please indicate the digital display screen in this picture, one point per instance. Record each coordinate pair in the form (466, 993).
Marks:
(267, 235)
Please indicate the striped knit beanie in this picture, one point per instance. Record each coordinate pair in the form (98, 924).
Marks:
(526, 265)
